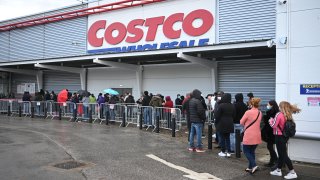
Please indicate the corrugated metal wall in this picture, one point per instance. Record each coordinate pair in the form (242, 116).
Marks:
(241, 20)
(22, 78)
(59, 39)
(251, 75)
(57, 80)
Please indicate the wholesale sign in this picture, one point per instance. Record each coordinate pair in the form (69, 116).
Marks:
(172, 24)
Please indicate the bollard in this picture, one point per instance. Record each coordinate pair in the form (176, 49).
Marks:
(173, 125)
(123, 124)
(140, 119)
(107, 117)
(60, 112)
(20, 111)
(238, 143)
(75, 110)
(90, 115)
(209, 136)
(45, 112)
(9, 112)
(158, 124)
(32, 112)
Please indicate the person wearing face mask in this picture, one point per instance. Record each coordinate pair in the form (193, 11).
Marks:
(216, 120)
(267, 132)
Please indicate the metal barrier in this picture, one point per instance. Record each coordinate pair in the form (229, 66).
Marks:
(67, 109)
(39, 107)
(165, 116)
(132, 114)
(112, 112)
(148, 119)
(4, 104)
(87, 111)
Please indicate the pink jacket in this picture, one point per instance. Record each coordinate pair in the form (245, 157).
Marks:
(252, 135)
(277, 123)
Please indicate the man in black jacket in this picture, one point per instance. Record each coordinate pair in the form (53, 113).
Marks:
(146, 110)
(197, 117)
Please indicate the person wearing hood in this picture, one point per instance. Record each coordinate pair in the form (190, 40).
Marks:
(197, 117)
(156, 101)
(168, 104)
(224, 117)
(240, 108)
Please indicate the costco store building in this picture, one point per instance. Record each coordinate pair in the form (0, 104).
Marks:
(171, 47)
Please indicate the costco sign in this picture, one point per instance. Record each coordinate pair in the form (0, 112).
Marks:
(107, 33)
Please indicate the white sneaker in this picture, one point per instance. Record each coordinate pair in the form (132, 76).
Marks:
(291, 176)
(276, 172)
(228, 155)
(222, 154)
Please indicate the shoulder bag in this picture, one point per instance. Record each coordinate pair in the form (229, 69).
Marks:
(242, 134)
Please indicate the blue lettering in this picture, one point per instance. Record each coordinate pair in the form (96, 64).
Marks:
(203, 42)
(183, 44)
(164, 45)
(173, 44)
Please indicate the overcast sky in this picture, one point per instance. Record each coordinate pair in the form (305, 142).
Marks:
(15, 8)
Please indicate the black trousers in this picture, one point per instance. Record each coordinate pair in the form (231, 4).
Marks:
(273, 155)
(281, 143)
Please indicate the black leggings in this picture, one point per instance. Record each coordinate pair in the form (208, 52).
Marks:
(281, 143)
(273, 155)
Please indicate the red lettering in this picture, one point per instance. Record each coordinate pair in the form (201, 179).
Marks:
(137, 32)
(203, 14)
(92, 33)
(122, 32)
(168, 30)
(153, 24)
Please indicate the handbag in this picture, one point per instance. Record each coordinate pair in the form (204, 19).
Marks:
(242, 134)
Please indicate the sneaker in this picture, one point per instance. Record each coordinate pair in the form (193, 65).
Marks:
(276, 172)
(228, 155)
(248, 170)
(203, 136)
(191, 149)
(222, 154)
(200, 150)
(254, 169)
(291, 175)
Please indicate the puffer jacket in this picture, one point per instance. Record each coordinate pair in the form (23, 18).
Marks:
(196, 109)
(225, 115)
(155, 101)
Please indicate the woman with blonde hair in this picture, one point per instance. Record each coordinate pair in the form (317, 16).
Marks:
(252, 133)
(278, 124)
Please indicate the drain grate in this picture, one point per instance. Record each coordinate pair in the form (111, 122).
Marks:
(69, 165)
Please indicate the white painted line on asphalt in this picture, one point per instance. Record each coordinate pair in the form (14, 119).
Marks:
(191, 174)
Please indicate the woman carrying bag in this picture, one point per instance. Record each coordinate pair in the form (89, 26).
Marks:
(252, 134)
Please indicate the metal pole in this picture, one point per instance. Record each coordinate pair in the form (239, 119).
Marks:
(140, 118)
(107, 115)
(238, 143)
(45, 111)
(60, 112)
(75, 110)
(90, 115)
(20, 110)
(9, 112)
(209, 136)
(157, 124)
(123, 124)
(173, 125)
(32, 112)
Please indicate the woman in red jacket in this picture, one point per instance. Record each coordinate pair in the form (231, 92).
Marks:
(277, 124)
(167, 109)
(252, 135)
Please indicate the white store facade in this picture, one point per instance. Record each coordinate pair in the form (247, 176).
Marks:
(169, 47)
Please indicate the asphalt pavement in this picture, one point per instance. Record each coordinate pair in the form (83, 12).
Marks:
(29, 149)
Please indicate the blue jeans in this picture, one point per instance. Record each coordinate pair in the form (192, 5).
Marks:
(225, 142)
(85, 112)
(249, 151)
(233, 137)
(147, 116)
(196, 128)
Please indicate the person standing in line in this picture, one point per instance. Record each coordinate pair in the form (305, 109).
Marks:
(186, 113)
(240, 108)
(147, 111)
(267, 134)
(197, 117)
(178, 101)
(225, 115)
(278, 124)
(252, 133)
(250, 96)
(216, 120)
(168, 104)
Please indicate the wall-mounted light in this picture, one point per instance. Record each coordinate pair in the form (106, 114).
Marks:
(120, 85)
(271, 43)
(283, 40)
(282, 2)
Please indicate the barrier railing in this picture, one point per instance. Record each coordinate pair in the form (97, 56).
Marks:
(132, 113)
(39, 107)
(4, 104)
(87, 111)
(165, 116)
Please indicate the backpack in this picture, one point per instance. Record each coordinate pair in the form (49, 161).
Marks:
(289, 129)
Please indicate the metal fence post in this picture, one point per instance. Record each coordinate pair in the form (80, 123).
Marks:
(90, 115)
(32, 111)
(209, 136)
(173, 125)
(238, 143)
(9, 112)
(140, 118)
(20, 110)
(157, 124)
(123, 124)
(107, 115)
(60, 113)
(45, 111)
